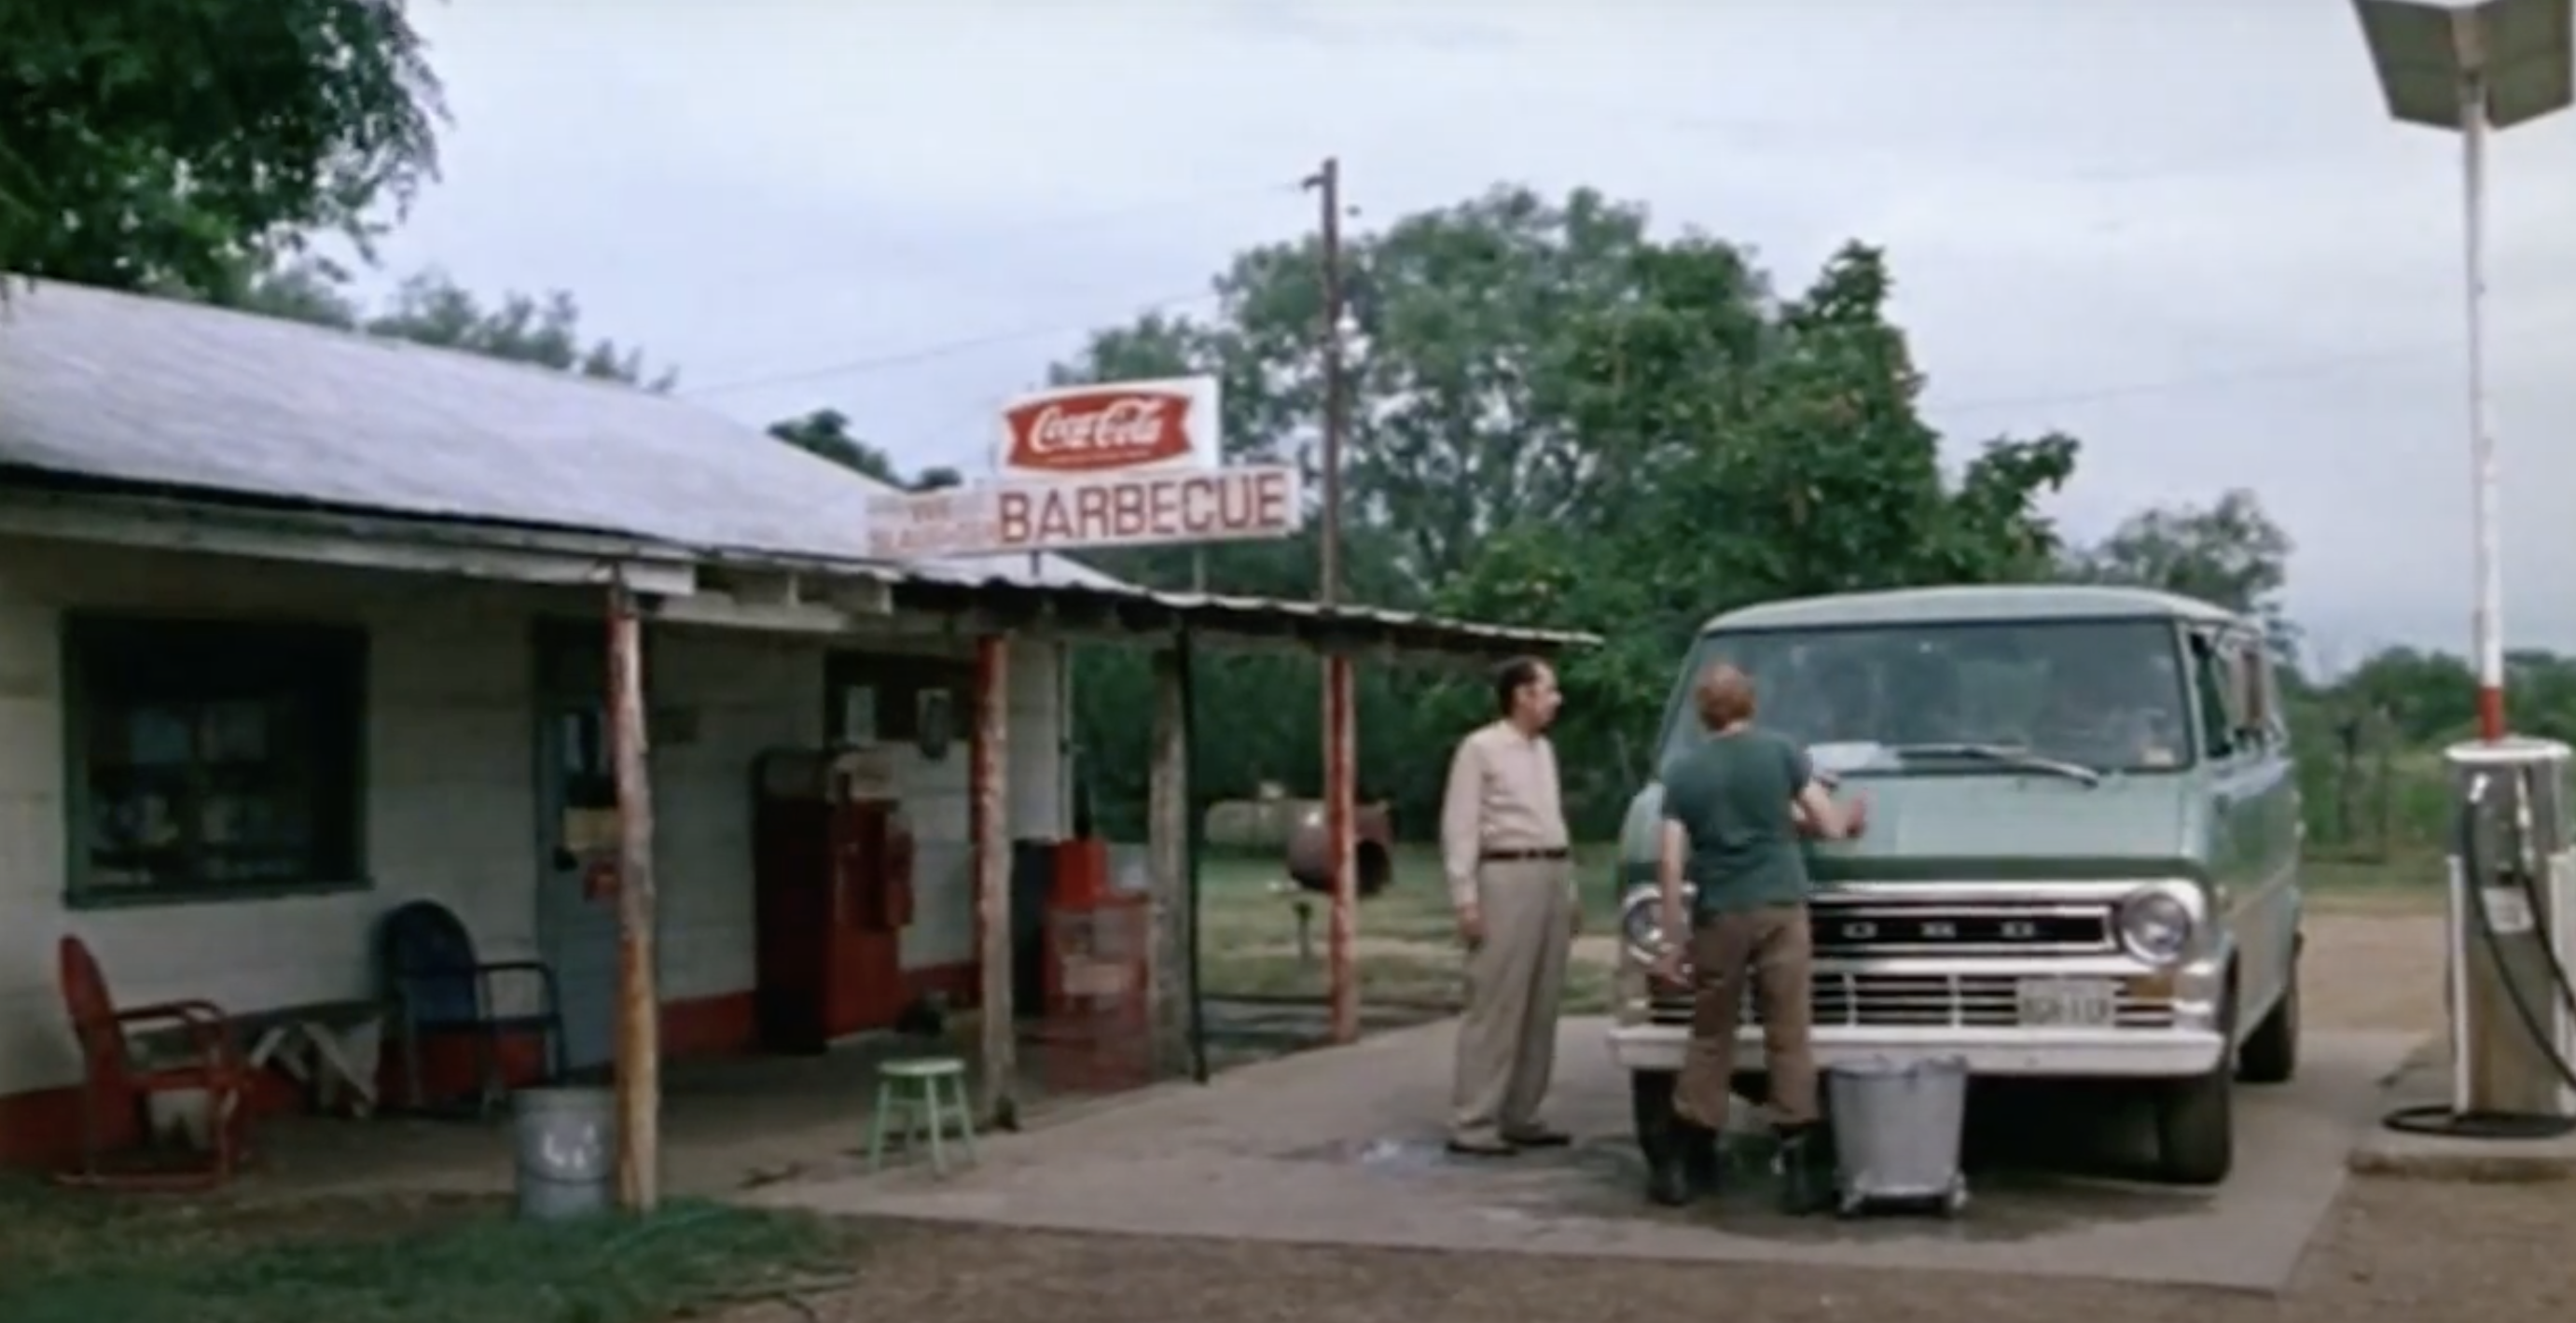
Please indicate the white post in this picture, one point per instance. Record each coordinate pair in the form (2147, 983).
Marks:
(2488, 622)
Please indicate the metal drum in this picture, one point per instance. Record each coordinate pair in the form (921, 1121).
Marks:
(1897, 1129)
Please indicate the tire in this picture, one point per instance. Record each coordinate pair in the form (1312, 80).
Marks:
(2271, 1052)
(2196, 1119)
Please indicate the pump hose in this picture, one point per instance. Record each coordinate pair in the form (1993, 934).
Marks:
(2439, 1119)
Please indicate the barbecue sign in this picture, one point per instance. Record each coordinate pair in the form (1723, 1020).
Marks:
(1130, 463)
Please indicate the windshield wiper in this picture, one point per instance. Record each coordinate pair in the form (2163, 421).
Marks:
(2005, 754)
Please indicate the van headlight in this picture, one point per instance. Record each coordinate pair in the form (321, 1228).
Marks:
(1641, 928)
(2156, 926)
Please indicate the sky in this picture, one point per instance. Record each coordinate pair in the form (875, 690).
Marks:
(2184, 231)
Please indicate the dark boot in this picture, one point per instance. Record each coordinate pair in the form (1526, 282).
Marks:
(1683, 1169)
(1806, 1172)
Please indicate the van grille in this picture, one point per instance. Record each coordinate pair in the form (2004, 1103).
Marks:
(1918, 1001)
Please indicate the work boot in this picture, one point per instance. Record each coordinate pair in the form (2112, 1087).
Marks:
(1806, 1172)
(1685, 1168)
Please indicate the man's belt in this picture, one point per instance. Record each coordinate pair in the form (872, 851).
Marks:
(1525, 856)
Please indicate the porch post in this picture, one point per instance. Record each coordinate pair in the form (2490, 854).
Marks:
(639, 1020)
(989, 771)
(1340, 830)
(1174, 988)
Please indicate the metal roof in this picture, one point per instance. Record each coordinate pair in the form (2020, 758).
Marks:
(199, 412)
(166, 394)
(1969, 602)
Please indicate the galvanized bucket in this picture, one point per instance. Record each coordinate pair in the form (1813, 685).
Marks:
(1897, 1128)
(567, 1151)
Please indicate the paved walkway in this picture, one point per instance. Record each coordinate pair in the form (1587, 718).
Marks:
(1343, 1147)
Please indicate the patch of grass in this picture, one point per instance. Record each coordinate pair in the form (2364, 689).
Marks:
(77, 1258)
(1408, 943)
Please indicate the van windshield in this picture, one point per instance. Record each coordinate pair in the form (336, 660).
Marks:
(1952, 697)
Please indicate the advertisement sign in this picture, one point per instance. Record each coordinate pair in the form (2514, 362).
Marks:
(1119, 508)
(1118, 464)
(1122, 427)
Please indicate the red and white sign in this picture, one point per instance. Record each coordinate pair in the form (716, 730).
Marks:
(1236, 503)
(1117, 427)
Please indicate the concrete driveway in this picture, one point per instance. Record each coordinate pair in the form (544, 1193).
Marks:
(1344, 1147)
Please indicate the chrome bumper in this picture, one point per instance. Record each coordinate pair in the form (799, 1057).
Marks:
(2023, 1053)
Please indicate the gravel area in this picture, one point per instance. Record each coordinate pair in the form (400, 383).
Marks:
(2394, 1251)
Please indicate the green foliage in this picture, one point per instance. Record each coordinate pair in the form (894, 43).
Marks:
(1558, 417)
(826, 432)
(78, 1259)
(166, 141)
(430, 308)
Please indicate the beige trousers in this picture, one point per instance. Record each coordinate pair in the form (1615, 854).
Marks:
(1515, 980)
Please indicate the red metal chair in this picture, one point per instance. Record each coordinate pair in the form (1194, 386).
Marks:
(117, 1089)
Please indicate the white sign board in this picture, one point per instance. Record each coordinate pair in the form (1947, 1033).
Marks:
(1121, 508)
(1155, 426)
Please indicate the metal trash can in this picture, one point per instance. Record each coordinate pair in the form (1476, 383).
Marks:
(567, 1151)
(1896, 1127)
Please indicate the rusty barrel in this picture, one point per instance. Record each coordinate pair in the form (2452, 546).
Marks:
(1310, 855)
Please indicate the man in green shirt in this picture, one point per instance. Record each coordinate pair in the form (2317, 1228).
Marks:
(1735, 808)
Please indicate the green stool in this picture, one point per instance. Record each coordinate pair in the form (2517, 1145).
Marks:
(927, 1093)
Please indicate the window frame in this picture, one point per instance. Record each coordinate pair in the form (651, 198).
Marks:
(331, 680)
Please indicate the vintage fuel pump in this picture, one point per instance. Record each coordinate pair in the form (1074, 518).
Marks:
(2512, 938)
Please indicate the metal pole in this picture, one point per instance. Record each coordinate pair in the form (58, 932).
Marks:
(2488, 624)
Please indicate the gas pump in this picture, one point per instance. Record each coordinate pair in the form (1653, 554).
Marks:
(2512, 937)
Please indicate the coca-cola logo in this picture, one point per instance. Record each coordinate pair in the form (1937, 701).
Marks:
(1105, 429)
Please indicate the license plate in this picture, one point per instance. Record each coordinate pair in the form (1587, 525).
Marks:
(2069, 1003)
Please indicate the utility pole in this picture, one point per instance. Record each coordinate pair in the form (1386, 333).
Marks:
(1327, 184)
(1341, 736)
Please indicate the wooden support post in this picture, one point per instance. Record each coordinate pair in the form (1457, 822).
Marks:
(990, 826)
(639, 1003)
(1168, 848)
(1341, 791)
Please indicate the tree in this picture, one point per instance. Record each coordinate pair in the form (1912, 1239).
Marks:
(160, 143)
(1560, 418)
(2229, 553)
(826, 432)
(430, 308)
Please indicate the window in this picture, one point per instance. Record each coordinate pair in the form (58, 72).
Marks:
(212, 759)
(2103, 693)
(2219, 664)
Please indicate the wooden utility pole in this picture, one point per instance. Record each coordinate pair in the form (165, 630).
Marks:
(1340, 734)
(639, 1002)
(989, 762)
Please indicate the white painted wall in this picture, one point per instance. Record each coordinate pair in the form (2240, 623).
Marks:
(451, 807)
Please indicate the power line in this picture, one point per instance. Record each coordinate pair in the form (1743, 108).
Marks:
(853, 367)
(2283, 370)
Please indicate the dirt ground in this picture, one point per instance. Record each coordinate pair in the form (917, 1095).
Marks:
(2395, 1251)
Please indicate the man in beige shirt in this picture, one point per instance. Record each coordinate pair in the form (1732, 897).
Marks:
(1503, 847)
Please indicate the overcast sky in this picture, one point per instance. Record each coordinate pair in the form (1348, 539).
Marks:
(2181, 229)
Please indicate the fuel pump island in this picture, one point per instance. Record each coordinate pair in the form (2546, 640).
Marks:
(2512, 938)
(2473, 70)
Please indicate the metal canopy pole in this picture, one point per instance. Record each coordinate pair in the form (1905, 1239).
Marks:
(2473, 70)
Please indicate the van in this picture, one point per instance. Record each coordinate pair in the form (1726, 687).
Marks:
(2081, 858)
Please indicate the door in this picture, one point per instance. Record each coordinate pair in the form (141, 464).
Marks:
(576, 839)
(2248, 786)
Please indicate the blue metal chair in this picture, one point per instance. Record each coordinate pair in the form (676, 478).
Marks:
(437, 987)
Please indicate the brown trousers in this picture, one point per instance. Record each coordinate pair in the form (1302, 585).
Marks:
(1772, 948)
(1515, 978)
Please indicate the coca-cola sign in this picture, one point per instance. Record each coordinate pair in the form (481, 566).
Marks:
(1117, 427)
